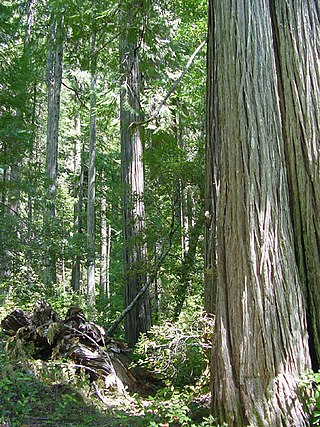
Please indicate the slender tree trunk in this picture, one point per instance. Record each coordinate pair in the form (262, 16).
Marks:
(33, 154)
(139, 318)
(186, 267)
(54, 79)
(30, 21)
(108, 294)
(260, 341)
(103, 244)
(105, 234)
(7, 204)
(92, 174)
(78, 205)
(157, 287)
(297, 60)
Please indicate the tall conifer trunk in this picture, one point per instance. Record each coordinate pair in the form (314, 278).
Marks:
(139, 318)
(92, 170)
(261, 341)
(78, 205)
(54, 79)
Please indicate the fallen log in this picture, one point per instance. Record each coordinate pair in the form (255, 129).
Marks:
(42, 335)
(16, 320)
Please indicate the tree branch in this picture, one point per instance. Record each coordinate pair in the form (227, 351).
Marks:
(77, 95)
(173, 88)
(147, 283)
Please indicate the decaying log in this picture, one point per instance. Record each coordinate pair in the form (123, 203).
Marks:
(42, 335)
(14, 321)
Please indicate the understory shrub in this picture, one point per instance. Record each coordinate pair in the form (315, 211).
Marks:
(176, 351)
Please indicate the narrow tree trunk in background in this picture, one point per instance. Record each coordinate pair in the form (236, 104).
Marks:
(30, 22)
(298, 55)
(54, 78)
(8, 209)
(32, 156)
(105, 234)
(78, 205)
(186, 267)
(92, 175)
(108, 293)
(260, 341)
(103, 245)
(139, 318)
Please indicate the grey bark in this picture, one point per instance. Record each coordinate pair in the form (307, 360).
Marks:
(297, 40)
(139, 317)
(108, 294)
(78, 205)
(54, 78)
(92, 176)
(260, 340)
(105, 233)
(103, 245)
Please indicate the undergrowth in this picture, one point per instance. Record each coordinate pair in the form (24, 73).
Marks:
(38, 394)
(41, 394)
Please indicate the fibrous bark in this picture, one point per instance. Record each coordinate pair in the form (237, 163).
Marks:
(261, 341)
(296, 42)
(78, 205)
(54, 79)
(139, 318)
(92, 171)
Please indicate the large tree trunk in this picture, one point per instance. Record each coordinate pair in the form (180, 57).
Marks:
(54, 79)
(139, 318)
(296, 39)
(261, 341)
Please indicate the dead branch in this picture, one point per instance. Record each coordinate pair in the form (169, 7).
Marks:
(172, 89)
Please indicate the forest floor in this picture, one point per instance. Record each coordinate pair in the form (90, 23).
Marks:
(26, 400)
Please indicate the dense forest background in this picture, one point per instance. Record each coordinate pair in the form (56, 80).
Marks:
(62, 71)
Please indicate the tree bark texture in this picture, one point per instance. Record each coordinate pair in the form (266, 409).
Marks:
(297, 41)
(54, 79)
(261, 342)
(78, 204)
(92, 177)
(139, 318)
(103, 246)
(211, 180)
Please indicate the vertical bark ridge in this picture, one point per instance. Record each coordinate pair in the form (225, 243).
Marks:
(91, 220)
(54, 80)
(139, 318)
(260, 339)
(296, 40)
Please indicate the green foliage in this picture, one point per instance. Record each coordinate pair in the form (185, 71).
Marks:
(173, 350)
(172, 408)
(48, 393)
(53, 394)
(18, 393)
(311, 385)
